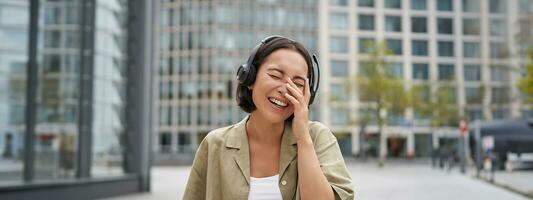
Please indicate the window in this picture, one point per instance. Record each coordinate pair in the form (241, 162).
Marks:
(366, 22)
(445, 25)
(474, 114)
(471, 6)
(393, 4)
(497, 6)
(339, 45)
(338, 21)
(498, 73)
(339, 116)
(473, 95)
(366, 3)
(449, 94)
(497, 27)
(445, 49)
(446, 72)
(339, 68)
(165, 142)
(420, 71)
(395, 46)
(500, 95)
(471, 50)
(393, 23)
(366, 45)
(472, 72)
(418, 4)
(419, 25)
(395, 70)
(500, 113)
(339, 92)
(338, 2)
(444, 5)
(498, 50)
(420, 48)
(471, 26)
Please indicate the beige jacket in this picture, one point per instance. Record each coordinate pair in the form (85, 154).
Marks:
(221, 168)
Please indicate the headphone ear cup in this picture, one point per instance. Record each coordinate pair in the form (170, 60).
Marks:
(250, 77)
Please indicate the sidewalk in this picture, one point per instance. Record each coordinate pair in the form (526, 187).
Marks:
(517, 181)
(398, 180)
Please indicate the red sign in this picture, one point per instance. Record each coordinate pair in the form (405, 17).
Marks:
(463, 128)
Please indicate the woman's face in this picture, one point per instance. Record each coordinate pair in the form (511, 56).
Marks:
(270, 84)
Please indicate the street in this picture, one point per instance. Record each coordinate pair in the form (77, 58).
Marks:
(398, 180)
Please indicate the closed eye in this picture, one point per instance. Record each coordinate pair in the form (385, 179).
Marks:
(275, 76)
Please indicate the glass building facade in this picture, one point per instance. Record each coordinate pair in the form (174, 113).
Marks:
(71, 73)
(200, 44)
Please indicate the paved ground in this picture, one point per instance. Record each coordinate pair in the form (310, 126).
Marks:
(398, 180)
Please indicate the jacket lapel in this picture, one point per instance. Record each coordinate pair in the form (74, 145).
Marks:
(288, 149)
(238, 141)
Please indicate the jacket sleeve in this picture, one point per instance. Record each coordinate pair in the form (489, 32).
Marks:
(332, 163)
(196, 185)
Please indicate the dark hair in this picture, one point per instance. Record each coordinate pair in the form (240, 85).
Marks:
(244, 94)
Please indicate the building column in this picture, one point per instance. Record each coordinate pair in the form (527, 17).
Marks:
(355, 142)
(410, 144)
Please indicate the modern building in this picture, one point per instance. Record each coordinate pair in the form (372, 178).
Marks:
(74, 111)
(200, 46)
(469, 47)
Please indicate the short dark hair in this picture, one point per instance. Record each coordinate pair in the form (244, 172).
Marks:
(244, 94)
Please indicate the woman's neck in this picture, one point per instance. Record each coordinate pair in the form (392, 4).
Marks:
(260, 130)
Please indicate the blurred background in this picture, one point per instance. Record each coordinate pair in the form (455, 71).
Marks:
(428, 99)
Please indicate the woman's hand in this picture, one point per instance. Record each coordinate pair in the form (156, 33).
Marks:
(300, 101)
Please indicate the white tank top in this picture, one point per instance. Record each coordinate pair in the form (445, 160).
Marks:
(265, 188)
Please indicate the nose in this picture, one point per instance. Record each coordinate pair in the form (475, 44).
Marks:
(282, 89)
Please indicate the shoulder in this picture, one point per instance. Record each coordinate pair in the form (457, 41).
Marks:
(320, 132)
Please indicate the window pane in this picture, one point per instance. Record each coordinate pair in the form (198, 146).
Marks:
(366, 22)
(393, 24)
(471, 26)
(339, 116)
(338, 2)
(471, 50)
(445, 49)
(474, 114)
(471, 5)
(393, 4)
(497, 6)
(444, 5)
(419, 25)
(420, 71)
(420, 48)
(446, 72)
(418, 4)
(473, 95)
(339, 68)
(366, 3)
(396, 70)
(338, 21)
(339, 92)
(497, 27)
(499, 73)
(500, 95)
(445, 26)
(395, 46)
(498, 50)
(366, 45)
(339, 45)
(472, 72)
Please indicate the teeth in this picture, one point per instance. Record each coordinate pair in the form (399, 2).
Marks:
(279, 103)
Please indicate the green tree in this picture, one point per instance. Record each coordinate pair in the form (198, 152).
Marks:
(526, 82)
(438, 106)
(378, 88)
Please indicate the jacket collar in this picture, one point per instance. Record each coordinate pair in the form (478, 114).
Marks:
(238, 140)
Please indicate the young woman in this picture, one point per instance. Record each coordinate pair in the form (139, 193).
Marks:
(275, 152)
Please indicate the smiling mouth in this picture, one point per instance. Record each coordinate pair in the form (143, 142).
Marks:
(278, 102)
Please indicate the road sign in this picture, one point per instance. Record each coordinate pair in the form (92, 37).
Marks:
(463, 128)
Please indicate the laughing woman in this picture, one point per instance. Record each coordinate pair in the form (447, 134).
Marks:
(275, 152)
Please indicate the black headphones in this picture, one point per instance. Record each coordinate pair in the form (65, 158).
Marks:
(246, 72)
